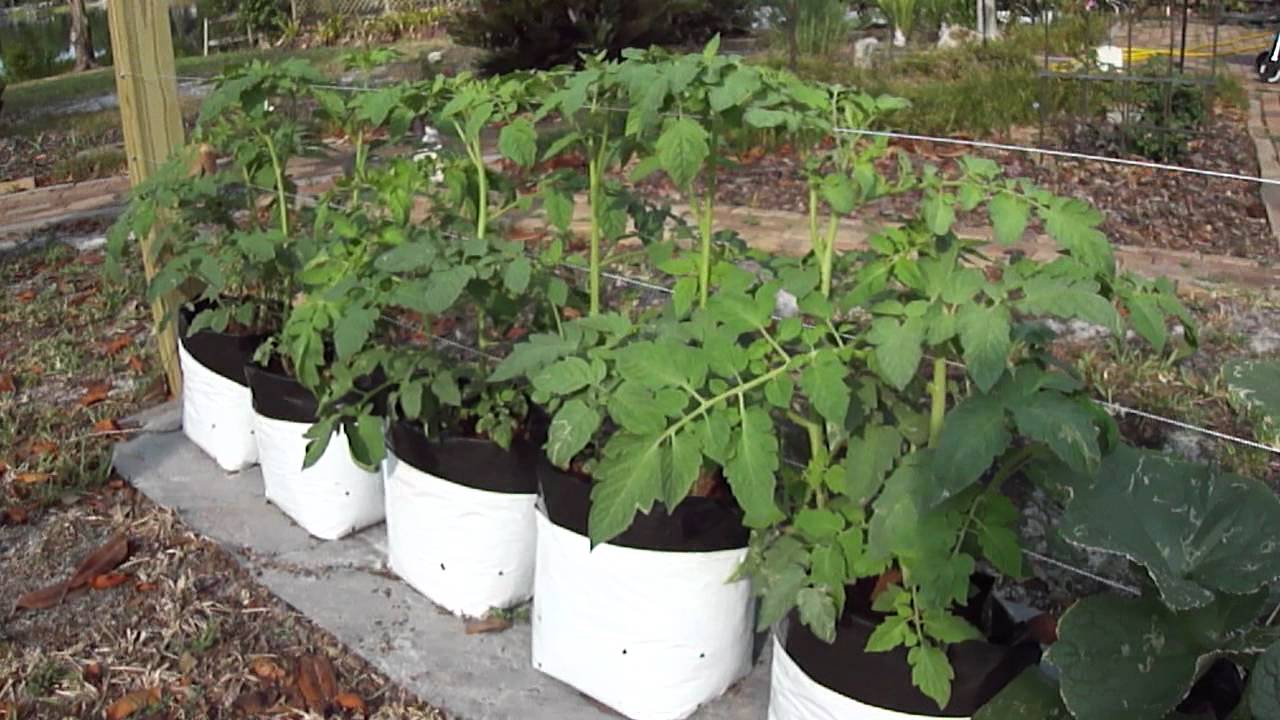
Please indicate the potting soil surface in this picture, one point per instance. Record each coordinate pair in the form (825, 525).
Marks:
(345, 587)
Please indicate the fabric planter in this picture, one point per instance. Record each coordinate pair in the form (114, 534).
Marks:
(331, 499)
(217, 407)
(648, 624)
(814, 680)
(460, 519)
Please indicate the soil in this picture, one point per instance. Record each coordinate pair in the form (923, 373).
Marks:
(1143, 207)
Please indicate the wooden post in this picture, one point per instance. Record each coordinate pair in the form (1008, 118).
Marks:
(142, 49)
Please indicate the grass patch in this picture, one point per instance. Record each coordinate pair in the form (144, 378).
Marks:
(67, 335)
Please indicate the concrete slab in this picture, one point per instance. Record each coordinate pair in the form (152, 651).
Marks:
(345, 587)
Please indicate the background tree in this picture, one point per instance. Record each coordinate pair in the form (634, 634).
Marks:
(81, 36)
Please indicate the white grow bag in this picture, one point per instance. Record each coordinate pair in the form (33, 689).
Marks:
(468, 550)
(793, 695)
(331, 499)
(217, 414)
(652, 634)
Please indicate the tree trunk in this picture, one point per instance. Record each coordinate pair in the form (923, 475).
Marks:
(81, 36)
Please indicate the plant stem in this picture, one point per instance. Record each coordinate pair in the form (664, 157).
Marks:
(707, 222)
(829, 255)
(938, 407)
(593, 279)
(359, 167)
(278, 170)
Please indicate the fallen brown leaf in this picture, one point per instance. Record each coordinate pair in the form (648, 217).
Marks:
(42, 447)
(487, 625)
(100, 562)
(145, 587)
(26, 296)
(316, 681)
(15, 516)
(31, 478)
(350, 702)
(115, 345)
(132, 703)
(135, 364)
(92, 671)
(267, 669)
(95, 393)
(6, 383)
(256, 702)
(108, 581)
(106, 425)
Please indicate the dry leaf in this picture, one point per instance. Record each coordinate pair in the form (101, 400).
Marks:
(103, 560)
(256, 702)
(115, 345)
(31, 478)
(892, 576)
(26, 296)
(135, 364)
(106, 425)
(107, 581)
(15, 516)
(42, 447)
(487, 625)
(350, 702)
(8, 711)
(95, 393)
(132, 703)
(6, 383)
(92, 671)
(267, 669)
(316, 681)
(145, 587)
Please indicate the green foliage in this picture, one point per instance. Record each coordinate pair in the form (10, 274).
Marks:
(1169, 109)
(1254, 387)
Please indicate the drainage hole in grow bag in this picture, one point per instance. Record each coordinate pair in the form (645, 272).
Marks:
(701, 655)
(441, 566)
(499, 573)
(624, 651)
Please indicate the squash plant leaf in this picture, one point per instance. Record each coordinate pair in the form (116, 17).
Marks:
(682, 148)
(1031, 695)
(1195, 531)
(973, 436)
(1264, 685)
(752, 470)
(1254, 388)
(1135, 653)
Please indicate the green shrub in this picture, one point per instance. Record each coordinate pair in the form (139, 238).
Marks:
(523, 34)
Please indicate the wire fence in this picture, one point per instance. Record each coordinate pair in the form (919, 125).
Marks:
(1113, 407)
(312, 9)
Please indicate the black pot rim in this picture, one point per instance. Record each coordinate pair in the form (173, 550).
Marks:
(698, 524)
(279, 396)
(476, 463)
(226, 354)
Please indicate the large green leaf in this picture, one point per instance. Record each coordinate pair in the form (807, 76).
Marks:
(868, 459)
(1074, 224)
(518, 142)
(1031, 695)
(737, 87)
(629, 479)
(984, 334)
(752, 469)
(564, 377)
(825, 387)
(818, 612)
(446, 286)
(1195, 531)
(1264, 685)
(1045, 295)
(1254, 387)
(352, 330)
(899, 348)
(974, 434)
(633, 407)
(571, 430)
(1125, 658)
(1009, 215)
(1148, 320)
(682, 148)
(684, 468)
(1064, 424)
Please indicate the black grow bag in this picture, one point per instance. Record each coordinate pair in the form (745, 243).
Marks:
(698, 524)
(280, 397)
(883, 679)
(472, 462)
(226, 354)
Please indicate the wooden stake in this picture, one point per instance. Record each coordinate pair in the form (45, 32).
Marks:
(142, 49)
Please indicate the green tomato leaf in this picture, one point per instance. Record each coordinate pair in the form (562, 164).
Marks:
(629, 479)
(518, 142)
(839, 193)
(366, 443)
(824, 384)
(984, 334)
(1148, 320)
(973, 435)
(446, 287)
(682, 148)
(947, 628)
(889, 634)
(1064, 424)
(899, 348)
(939, 216)
(752, 470)
(558, 207)
(571, 429)
(352, 330)
(818, 613)
(781, 588)
(686, 465)
(516, 276)
(819, 525)
(868, 460)
(1009, 216)
(564, 377)
(931, 672)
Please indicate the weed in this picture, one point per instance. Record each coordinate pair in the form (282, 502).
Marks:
(45, 678)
